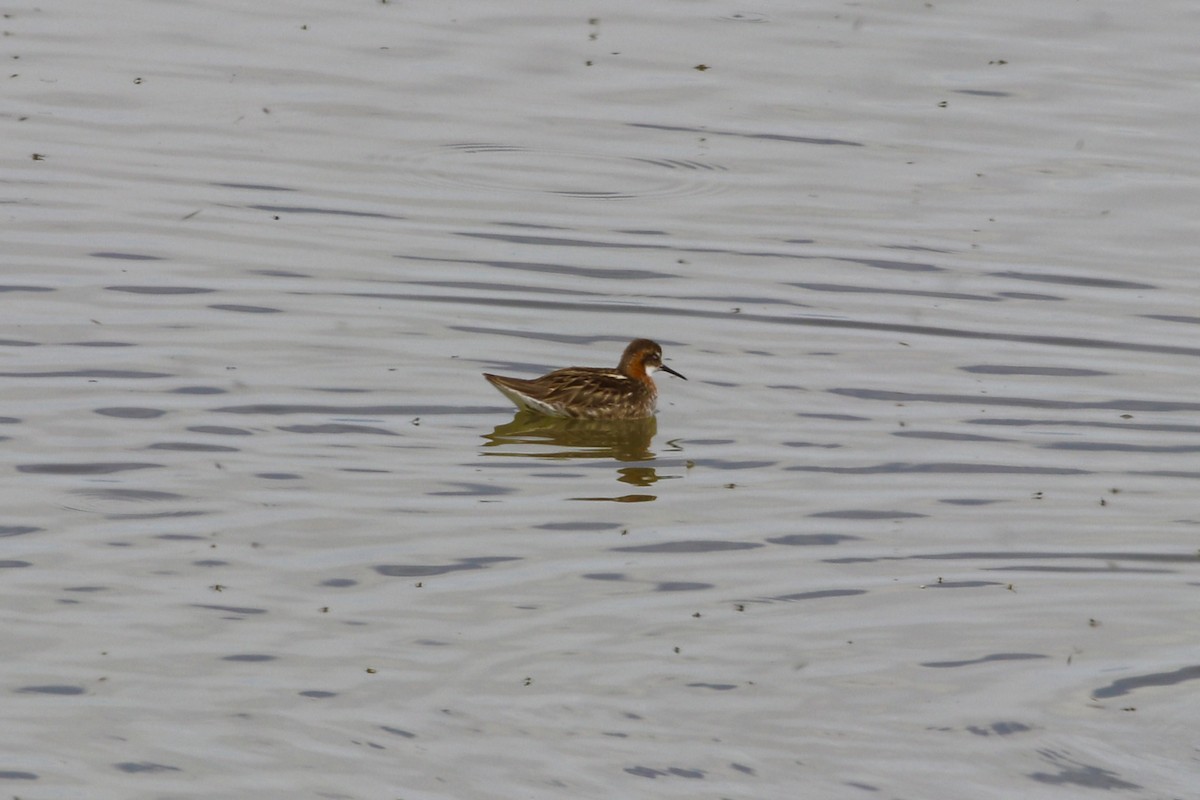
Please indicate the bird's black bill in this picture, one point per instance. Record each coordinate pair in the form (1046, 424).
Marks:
(665, 368)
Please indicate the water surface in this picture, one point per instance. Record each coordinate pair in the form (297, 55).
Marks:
(920, 524)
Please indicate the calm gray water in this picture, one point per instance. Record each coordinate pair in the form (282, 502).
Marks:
(922, 523)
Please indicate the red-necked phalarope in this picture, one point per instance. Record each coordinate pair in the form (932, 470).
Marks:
(626, 392)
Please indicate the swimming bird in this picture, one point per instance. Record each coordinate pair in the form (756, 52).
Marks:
(626, 392)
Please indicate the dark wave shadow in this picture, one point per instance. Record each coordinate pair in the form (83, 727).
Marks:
(535, 436)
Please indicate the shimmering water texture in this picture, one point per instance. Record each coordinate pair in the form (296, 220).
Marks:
(921, 523)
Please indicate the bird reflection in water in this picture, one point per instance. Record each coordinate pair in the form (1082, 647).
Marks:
(557, 437)
(530, 435)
